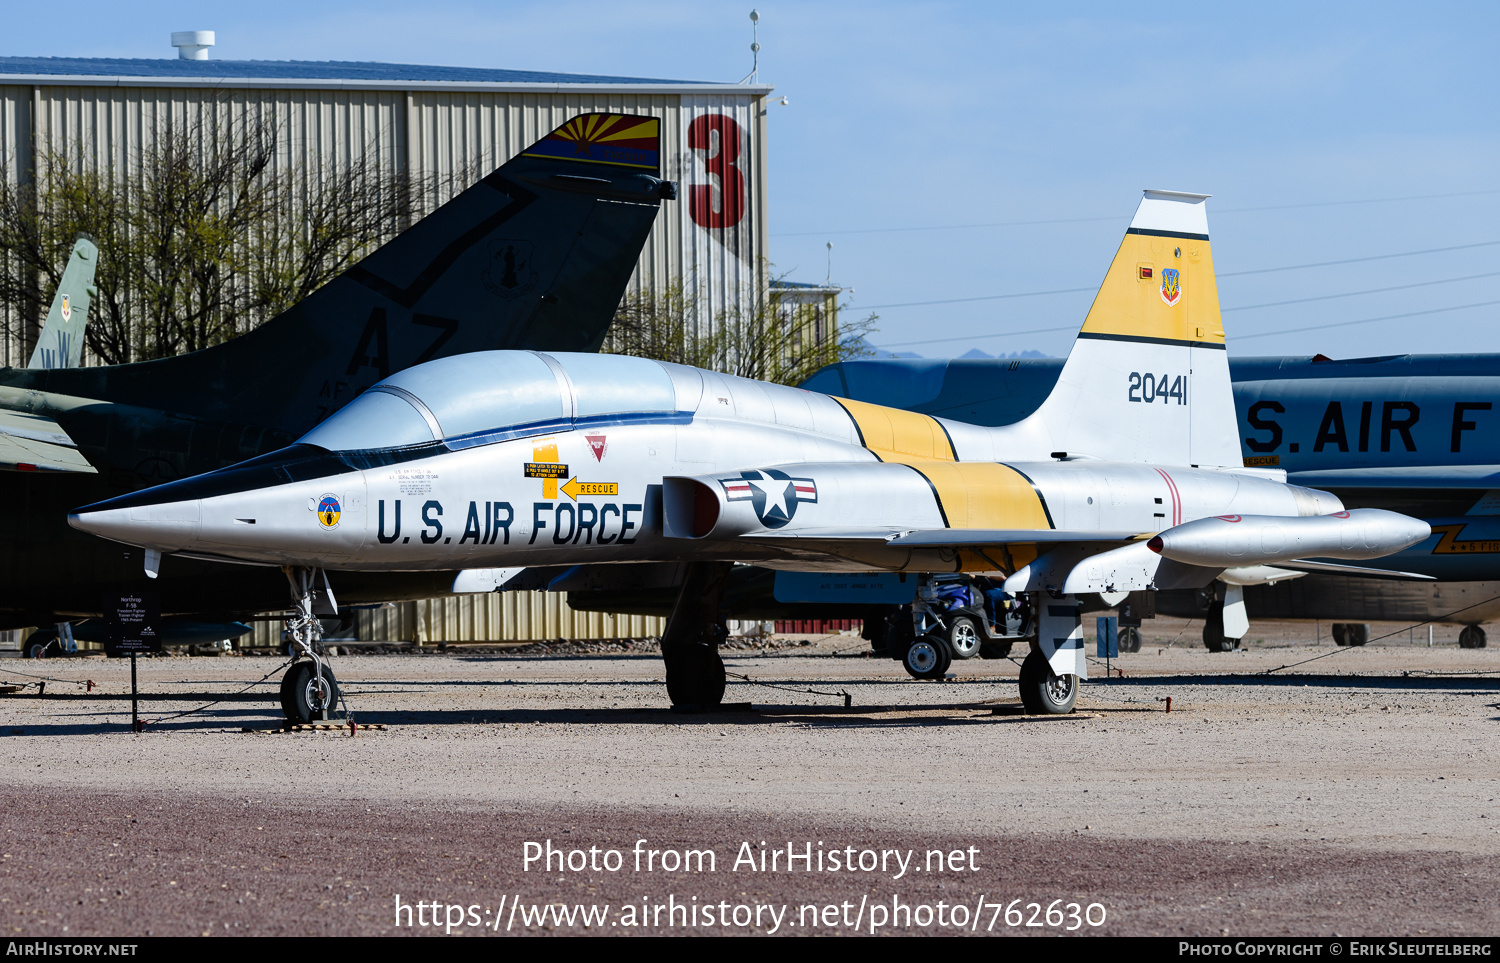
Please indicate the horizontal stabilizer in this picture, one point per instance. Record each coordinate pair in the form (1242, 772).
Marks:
(32, 443)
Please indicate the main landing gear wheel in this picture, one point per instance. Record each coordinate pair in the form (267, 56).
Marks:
(1130, 639)
(695, 675)
(964, 638)
(1350, 633)
(1472, 637)
(304, 696)
(690, 639)
(928, 657)
(1043, 692)
(1214, 638)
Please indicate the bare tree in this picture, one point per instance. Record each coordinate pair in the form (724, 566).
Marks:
(768, 337)
(203, 239)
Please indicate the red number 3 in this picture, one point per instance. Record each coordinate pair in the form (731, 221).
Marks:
(728, 186)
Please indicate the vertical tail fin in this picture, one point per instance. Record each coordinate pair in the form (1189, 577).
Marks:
(60, 345)
(1148, 377)
(536, 255)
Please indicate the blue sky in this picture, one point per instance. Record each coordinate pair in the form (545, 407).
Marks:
(910, 124)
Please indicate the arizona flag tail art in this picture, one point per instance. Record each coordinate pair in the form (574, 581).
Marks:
(1148, 377)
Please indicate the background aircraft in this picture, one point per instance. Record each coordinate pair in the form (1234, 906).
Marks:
(536, 255)
(29, 442)
(505, 458)
(60, 343)
(1412, 433)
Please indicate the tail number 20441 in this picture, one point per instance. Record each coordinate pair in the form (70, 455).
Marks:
(1148, 388)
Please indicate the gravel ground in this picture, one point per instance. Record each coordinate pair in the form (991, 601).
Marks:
(1352, 794)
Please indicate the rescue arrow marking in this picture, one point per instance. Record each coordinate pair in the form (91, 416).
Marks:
(574, 488)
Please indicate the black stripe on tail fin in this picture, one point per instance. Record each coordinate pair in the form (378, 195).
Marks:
(536, 255)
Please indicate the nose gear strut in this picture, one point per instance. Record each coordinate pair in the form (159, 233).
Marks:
(308, 690)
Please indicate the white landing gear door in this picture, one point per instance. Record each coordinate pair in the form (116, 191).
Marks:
(1060, 635)
(1236, 619)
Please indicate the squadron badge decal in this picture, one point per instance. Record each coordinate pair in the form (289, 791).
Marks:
(329, 511)
(1171, 286)
(773, 494)
(510, 274)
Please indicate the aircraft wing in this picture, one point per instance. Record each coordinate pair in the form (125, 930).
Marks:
(1359, 571)
(881, 548)
(1420, 476)
(31, 442)
(940, 537)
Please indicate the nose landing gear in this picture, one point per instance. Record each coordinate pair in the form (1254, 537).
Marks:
(309, 690)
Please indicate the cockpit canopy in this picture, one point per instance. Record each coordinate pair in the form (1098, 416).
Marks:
(489, 396)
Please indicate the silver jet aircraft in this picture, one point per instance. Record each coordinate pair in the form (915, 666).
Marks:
(1128, 477)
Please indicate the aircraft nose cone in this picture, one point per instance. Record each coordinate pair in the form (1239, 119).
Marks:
(167, 525)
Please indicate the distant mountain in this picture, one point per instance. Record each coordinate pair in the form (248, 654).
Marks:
(881, 354)
(976, 353)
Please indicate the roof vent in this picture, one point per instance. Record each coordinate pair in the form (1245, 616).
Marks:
(193, 44)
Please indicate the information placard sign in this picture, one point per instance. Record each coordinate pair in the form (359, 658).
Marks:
(134, 620)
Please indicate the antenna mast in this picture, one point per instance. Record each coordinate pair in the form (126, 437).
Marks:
(754, 48)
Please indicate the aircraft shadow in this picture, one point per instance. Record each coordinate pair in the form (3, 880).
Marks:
(1413, 683)
(257, 710)
(266, 716)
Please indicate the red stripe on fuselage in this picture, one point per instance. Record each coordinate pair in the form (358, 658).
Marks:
(1176, 497)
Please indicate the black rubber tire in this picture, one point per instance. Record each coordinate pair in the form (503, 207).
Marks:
(297, 687)
(996, 649)
(1356, 633)
(1044, 693)
(1340, 633)
(965, 638)
(1130, 639)
(928, 657)
(900, 633)
(287, 708)
(1214, 638)
(695, 675)
(1472, 637)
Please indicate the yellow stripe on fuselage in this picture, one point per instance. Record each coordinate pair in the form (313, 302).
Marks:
(976, 494)
(1131, 306)
(899, 436)
(969, 494)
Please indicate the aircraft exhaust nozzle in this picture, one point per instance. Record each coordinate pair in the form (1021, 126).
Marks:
(1227, 541)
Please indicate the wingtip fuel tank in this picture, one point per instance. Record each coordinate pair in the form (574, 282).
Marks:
(1227, 541)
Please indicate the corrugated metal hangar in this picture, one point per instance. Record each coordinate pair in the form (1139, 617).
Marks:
(440, 124)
